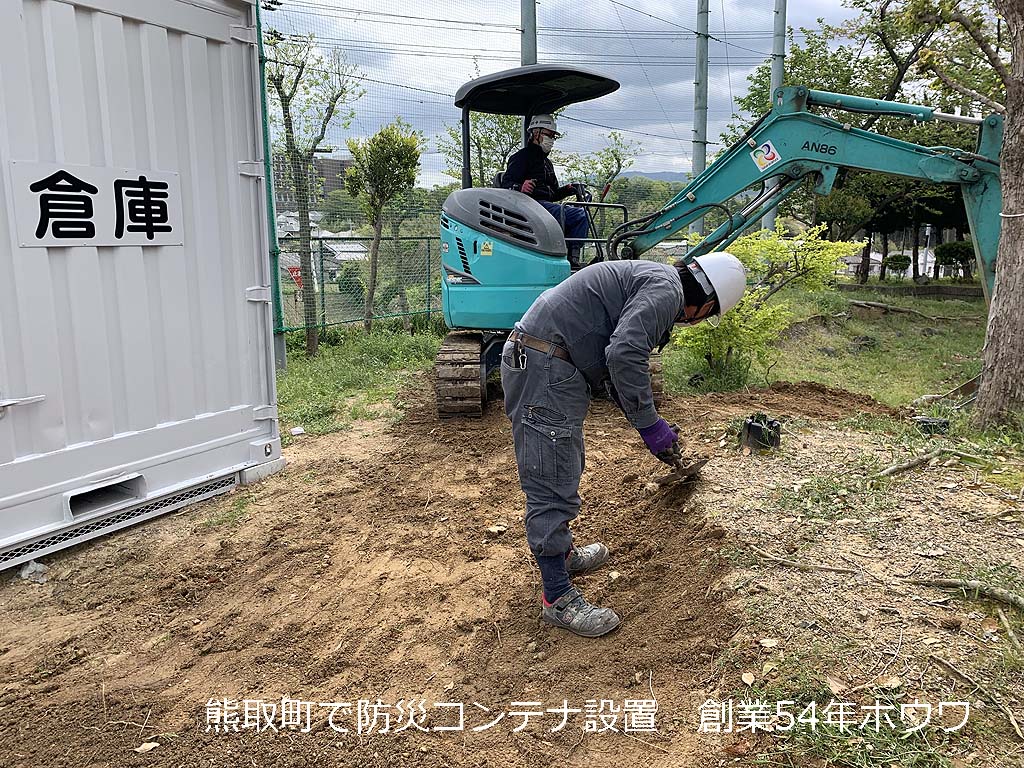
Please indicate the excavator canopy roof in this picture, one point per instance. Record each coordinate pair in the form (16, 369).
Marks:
(533, 90)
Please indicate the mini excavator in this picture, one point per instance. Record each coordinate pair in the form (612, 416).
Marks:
(500, 249)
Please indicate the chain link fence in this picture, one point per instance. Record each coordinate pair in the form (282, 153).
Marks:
(408, 280)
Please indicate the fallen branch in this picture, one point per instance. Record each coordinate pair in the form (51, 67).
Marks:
(905, 311)
(801, 566)
(1009, 630)
(992, 593)
(958, 673)
(896, 468)
(918, 461)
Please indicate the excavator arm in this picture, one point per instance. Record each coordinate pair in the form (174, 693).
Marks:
(792, 143)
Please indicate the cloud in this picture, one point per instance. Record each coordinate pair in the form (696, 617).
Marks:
(413, 54)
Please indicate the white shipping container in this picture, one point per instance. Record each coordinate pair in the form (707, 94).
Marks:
(136, 365)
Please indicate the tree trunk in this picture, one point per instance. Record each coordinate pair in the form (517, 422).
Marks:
(885, 255)
(371, 283)
(1001, 395)
(300, 175)
(403, 299)
(916, 251)
(865, 261)
(935, 247)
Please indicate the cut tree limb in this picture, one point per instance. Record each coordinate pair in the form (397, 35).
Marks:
(960, 674)
(801, 566)
(918, 461)
(992, 593)
(1009, 630)
(904, 310)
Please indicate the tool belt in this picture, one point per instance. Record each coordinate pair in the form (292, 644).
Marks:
(540, 345)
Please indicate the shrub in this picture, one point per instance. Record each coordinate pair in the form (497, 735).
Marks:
(958, 254)
(897, 263)
(350, 281)
(773, 262)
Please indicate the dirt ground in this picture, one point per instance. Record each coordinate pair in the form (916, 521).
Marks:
(388, 563)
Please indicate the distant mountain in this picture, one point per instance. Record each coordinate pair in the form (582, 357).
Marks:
(660, 175)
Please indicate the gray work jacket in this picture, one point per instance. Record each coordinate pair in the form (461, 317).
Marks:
(610, 316)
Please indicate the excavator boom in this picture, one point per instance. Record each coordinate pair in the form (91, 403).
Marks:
(793, 143)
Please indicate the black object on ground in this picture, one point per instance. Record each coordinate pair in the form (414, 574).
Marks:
(761, 432)
(931, 425)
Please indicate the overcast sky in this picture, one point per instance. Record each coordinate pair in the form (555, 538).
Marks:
(412, 55)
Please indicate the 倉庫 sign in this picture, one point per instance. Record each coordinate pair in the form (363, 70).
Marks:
(72, 205)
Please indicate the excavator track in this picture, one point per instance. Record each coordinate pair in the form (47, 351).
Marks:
(461, 384)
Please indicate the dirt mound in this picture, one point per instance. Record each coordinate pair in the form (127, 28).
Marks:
(805, 398)
(385, 563)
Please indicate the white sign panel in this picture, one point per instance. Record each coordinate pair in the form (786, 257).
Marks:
(66, 205)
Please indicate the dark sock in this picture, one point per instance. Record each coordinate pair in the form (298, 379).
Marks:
(555, 575)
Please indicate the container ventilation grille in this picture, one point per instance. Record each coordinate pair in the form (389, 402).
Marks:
(95, 527)
(506, 222)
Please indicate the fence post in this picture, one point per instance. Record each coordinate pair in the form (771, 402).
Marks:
(323, 288)
(428, 279)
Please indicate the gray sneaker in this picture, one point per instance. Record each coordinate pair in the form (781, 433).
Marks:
(572, 611)
(585, 559)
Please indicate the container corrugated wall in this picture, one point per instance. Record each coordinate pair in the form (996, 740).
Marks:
(135, 353)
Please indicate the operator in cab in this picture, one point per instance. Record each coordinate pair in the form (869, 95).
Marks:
(595, 331)
(532, 173)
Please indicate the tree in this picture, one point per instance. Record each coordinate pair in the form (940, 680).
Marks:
(384, 167)
(958, 254)
(493, 139)
(340, 212)
(603, 166)
(1001, 396)
(311, 90)
(968, 64)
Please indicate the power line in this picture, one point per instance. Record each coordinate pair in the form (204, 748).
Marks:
(728, 69)
(680, 26)
(364, 12)
(646, 76)
(622, 130)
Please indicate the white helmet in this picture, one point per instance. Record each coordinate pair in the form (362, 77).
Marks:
(727, 276)
(544, 121)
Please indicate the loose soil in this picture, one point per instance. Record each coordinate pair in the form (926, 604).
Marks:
(389, 562)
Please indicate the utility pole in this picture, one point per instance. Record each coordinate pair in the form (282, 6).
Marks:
(528, 46)
(700, 103)
(778, 59)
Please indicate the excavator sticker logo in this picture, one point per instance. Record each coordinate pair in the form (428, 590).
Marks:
(487, 248)
(766, 156)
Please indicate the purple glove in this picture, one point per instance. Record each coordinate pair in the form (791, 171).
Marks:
(662, 439)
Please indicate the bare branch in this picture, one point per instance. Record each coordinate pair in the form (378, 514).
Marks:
(331, 106)
(991, 54)
(970, 93)
(301, 69)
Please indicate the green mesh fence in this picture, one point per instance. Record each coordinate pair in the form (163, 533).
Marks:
(340, 72)
(408, 280)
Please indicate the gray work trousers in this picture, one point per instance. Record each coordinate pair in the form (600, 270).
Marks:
(546, 403)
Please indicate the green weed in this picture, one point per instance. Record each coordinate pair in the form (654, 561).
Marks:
(228, 514)
(353, 373)
(912, 356)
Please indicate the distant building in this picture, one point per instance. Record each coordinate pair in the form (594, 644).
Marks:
(328, 176)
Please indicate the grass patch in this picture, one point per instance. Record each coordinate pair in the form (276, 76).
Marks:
(826, 729)
(907, 357)
(353, 373)
(845, 492)
(228, 513)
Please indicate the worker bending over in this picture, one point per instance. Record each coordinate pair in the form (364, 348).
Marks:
(594, 332)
